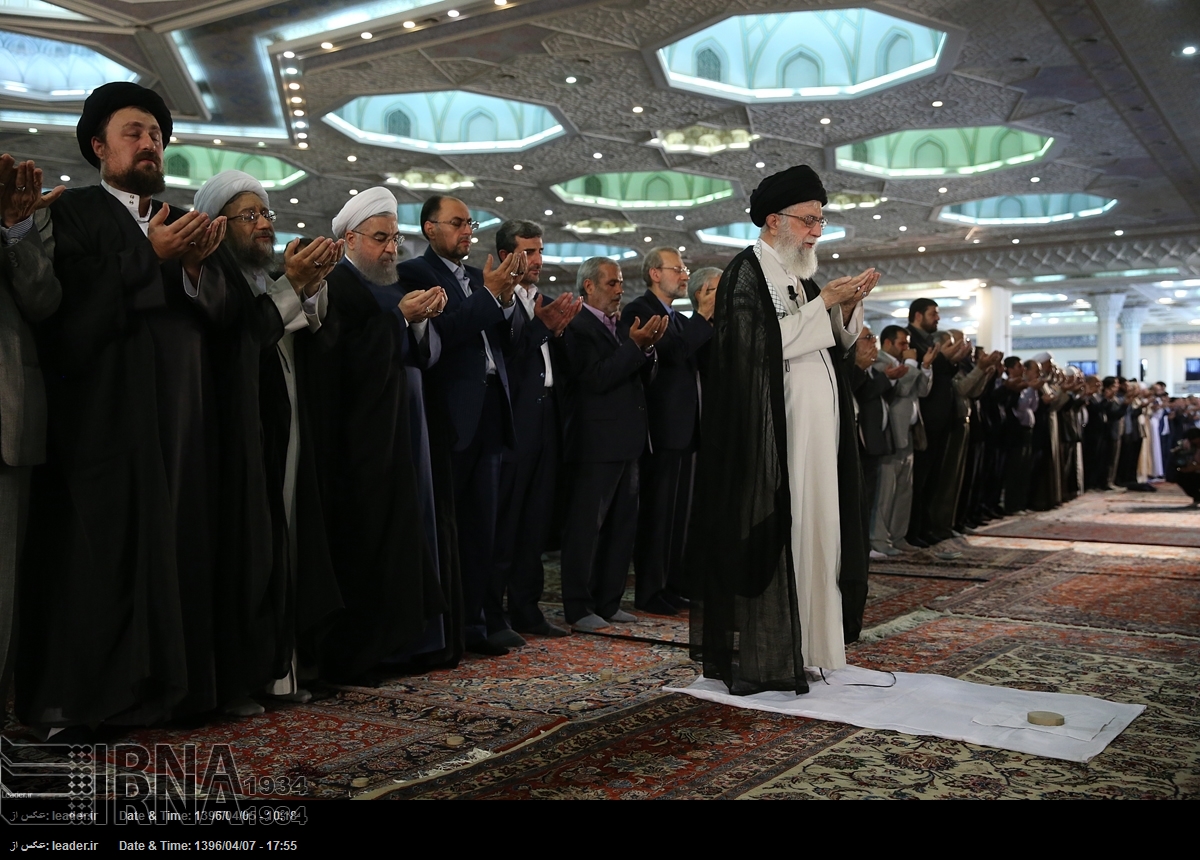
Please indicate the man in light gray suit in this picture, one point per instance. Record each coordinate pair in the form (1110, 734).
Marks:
(29, 292)
(889, 521)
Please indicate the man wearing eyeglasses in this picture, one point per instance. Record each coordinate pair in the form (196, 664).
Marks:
(471, 382)
(255, 636)
(673, 403)
(779, 541)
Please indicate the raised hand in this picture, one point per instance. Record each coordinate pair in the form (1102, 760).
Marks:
(849, 289)
(307, 267)
(172, 241)
(204, 244)
(21, 190)
(502, 280)
(896, 372)
(420, 305)
(557, 315)
(645, 336)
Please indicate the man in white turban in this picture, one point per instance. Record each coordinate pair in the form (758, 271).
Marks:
(259, 534)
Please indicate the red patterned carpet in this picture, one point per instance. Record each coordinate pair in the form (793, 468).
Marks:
(586, 716)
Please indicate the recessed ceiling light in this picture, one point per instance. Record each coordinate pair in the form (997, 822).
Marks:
(64, 178)
(1166, 301)
(301, 125)
(571, 79)
(262, 143)
(760, 165)
(217, 140)
(501, 2)
(648, 239)
(1189, 50)
(597, 155)
(637, 108)
(678, 217)
(902, 228)
(297, 113)
(33, 131)
(1118, 232)
(294, 200)
(943, 190)
(293, 86)
(353, 191)
(289, 55)
(301, 135)
(553, 278)
(474, 239)
(1035, 179)
(975, 241)
(883, 200)
(825, 120)
(302, 145)
(747, 211)
(408, 25)
(1179, 294)
(518, 167)
(453, 13)
(366, 35)
(1016, 241)
(921, 249)
(875, 217)
(300, 224)
(937, 103)
(499, 199)
(548, 212)
(682, 248)
(296, 100)
(835, 256)
(174, 139)
(327, 45)
(352, 158)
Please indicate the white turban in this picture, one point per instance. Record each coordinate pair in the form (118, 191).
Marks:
(1072, 370)
(1043, 356)
(360, 207)
(215, 194)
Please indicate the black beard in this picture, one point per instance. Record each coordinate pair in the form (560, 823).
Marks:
(139, 182)
(383, 274)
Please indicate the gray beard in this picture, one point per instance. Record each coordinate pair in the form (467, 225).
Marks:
(383, 274)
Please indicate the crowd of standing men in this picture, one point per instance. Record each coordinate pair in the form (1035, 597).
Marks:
(227, 475)
(953, 436)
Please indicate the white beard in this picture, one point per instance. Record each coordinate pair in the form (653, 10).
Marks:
(798, 259)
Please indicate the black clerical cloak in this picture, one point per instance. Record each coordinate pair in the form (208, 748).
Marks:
(357, 407)
(746, 629)
(117, 576)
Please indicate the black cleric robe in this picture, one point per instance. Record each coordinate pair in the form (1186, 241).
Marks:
(118, 584)
(356, 393)
(746, 628)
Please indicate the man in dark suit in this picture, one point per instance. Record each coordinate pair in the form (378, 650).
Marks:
(610, 359)
(668, 463)
(529, 471)
(937, 410)
(472, 381)
(29, 293)
(872, 390)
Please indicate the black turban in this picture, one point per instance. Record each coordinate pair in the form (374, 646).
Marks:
(778, 191)
(110, 98)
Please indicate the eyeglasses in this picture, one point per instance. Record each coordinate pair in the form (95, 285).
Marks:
(252, 216)
(683, 271)
(382, 238)
(459, 223)
(809, 221)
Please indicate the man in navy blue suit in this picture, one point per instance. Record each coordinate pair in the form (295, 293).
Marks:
(528, 476)
(674, 407)
(472, 381)
(611, 358)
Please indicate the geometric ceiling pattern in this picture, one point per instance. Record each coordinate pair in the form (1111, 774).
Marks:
(1107, 81)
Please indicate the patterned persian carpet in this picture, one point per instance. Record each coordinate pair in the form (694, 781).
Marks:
(586, 716)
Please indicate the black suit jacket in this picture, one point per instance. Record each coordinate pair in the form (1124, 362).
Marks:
(872, 389)
(607, 420)
(527, 378)
(673, 397)
(460, 376)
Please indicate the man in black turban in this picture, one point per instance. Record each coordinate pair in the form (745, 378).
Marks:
(779, 547)
(118, 605)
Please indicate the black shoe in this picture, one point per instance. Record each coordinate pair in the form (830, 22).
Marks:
(676, 600)
(545, 629)
(917, 542)
(486, 649)
(657, 605)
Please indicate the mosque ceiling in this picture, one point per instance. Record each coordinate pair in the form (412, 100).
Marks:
(586, 112)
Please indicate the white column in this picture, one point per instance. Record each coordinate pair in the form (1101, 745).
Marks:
(995, 323)
(1108, 307)
(1131, 339)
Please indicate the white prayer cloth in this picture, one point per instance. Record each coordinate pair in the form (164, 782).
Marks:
(366, 204)
(937, 706)
(810, 400)
(216, 193)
